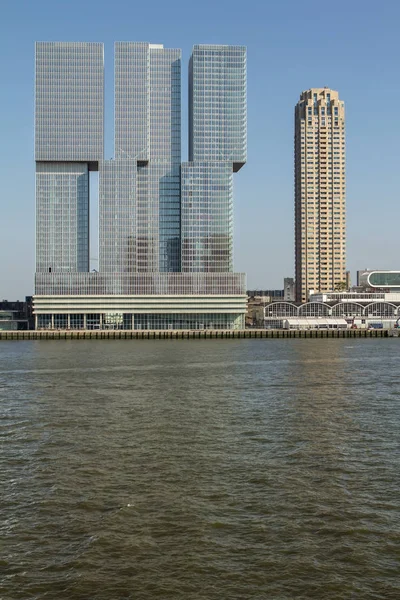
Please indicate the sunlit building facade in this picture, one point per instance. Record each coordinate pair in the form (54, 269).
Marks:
(207, 217)
(218, 104)
(148, 131)
(217, 148)
(320, 192)
(69, 88)
(165, 229)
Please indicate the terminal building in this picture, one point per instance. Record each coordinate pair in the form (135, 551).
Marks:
(375, 303)
(165, 227)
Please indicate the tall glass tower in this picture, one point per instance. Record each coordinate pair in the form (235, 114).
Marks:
(218, 105)
(148, 134)
(68, 143)
(217, 148)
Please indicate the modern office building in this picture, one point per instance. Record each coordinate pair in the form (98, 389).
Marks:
(148, 131)
(165, 229)
(320, 189)
(207, 217)
(217, 148)
(218, 105)
(69, 89)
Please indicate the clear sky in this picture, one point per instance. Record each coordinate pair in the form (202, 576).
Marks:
(351, 46)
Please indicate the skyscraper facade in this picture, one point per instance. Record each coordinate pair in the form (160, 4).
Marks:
(207, 217)
(69, 90)
(148, 130)
(217, 148)
(69, 101)
(149, 275)
(320, 192)
(218, 104)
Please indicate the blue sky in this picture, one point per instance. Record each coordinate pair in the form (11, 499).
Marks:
(350, 46)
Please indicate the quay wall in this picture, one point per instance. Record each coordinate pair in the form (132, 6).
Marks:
(195, 334)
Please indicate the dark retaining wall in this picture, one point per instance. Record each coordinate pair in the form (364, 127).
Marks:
(202, 334)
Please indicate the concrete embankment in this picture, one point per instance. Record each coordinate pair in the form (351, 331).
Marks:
(192, 335)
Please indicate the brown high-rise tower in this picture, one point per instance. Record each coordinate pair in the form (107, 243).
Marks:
(320, 191)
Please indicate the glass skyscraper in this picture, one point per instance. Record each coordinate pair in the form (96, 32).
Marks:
(69, 90)
(165, 228)
(207, 217)
(218, 104)
(148, 130)
(69, 101)
(217, 148)
(62, 216)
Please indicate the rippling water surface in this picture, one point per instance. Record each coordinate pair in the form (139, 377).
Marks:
(195, 469)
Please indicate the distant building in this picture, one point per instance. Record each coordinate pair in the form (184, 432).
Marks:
(16, 315)
(320, 222)
(289, 291)
(273, 295)
(257, 300)
(379, 280)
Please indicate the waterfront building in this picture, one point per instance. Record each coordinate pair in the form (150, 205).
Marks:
(320, 221)
(16, 315)
(69, 88)
(12, 320)
(217, 148)
(361, 310)
(148, 132)
(218, 105)
(165, 229)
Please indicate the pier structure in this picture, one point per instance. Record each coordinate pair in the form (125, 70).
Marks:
(207, 334)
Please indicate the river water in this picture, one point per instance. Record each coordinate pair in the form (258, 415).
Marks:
(198, 469)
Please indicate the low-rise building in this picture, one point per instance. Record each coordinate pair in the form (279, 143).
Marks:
(16, 315)
(307, 323)
(10, 320)
(358, 313)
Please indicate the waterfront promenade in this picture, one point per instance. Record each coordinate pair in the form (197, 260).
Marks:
(195, 334)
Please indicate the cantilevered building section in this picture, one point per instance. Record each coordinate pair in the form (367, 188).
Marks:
(217, 148)
(69, 101)
(218, 104)
(139, 283)
(320, 189)
(69, 90)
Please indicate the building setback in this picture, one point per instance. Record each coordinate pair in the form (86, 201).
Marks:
(217, 148)
(165, 229)
(320, 221)
(69, 133)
